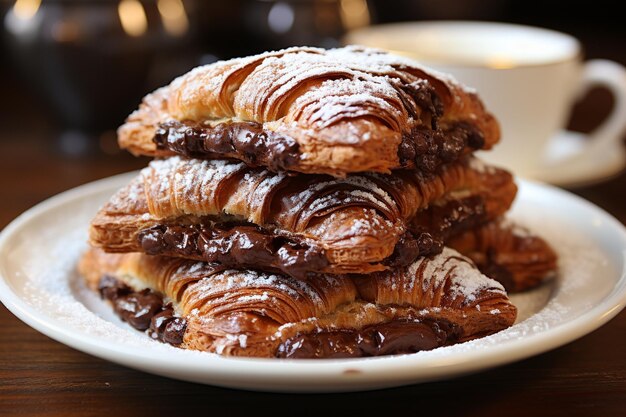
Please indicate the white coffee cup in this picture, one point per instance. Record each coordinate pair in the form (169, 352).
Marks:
(529, 78)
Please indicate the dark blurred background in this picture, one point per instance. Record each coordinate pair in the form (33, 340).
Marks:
(72, 70)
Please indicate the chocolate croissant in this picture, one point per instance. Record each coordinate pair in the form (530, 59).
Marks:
(508, 253)
(229, 213)
(311, 110)
(434, 302)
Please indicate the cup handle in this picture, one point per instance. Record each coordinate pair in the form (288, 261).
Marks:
(609, 74)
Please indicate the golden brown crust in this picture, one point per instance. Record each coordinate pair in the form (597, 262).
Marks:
(247, 313)
(508, 253)
(348, 109)
(356, 221)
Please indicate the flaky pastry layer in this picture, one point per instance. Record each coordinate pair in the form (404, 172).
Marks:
(509, 253)
(353, 224)
(248, 313)
(312, 110)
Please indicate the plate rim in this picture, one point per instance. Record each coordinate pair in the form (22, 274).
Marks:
(327, 375)
(610, 162)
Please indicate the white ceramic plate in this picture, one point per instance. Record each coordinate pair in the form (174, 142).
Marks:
(569, 163)
(39, 284)
(590, 168)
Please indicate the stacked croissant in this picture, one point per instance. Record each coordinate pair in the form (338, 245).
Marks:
(311, 203)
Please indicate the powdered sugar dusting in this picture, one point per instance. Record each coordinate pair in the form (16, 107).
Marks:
(235, 280)
(322, 196)
(480, 166)
(186, 186)
(539, 310)
(311, 87)
(56, 288)
(258, 287)
(464, 280)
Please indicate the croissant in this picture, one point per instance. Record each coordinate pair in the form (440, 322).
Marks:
(434, 302)
(508, 253)
(312, 110)
(227, 212)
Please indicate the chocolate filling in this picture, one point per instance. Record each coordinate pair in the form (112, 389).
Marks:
(413, 245)
(392, 338)
(451, 218)
(144, 310)
(247, 141)
(431, 148)
(426, 98)
(490, 267)
(427, 146)
(235, 245)
(243, 245)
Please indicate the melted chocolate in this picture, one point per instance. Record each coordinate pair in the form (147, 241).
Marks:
(144, 310)
(431, 148)
(234, 245)
(167, 328)
(393, 338)
(412, 246)
(426, 98)
(110, 288)
(243, 245)
(247, 141)
(427, 146)
(494, 270)
(453, 217)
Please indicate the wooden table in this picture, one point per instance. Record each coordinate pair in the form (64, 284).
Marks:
(39, 376)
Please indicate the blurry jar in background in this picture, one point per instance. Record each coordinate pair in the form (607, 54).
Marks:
(281, 24)
(94, 60)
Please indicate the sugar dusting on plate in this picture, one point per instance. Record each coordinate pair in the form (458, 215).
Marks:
(538, 309)
(54, 287)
